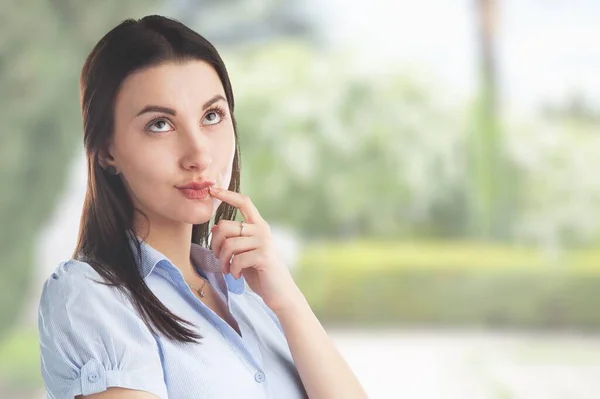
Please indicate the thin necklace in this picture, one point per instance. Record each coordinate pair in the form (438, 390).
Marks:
(200, 291)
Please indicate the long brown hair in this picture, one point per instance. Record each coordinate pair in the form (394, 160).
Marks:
(106, 226)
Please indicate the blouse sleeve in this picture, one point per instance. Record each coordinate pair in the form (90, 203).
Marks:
(91, 338)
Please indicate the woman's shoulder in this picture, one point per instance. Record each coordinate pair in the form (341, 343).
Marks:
(74, 278)
(73, 268)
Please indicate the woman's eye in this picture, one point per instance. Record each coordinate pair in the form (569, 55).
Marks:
(212, 118)
(161, 125)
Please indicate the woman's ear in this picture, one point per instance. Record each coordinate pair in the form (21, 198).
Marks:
(105, 159)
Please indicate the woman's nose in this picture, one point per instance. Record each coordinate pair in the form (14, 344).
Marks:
(196, 152)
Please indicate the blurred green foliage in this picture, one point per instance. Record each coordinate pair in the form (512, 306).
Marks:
(332, 151)
(452, 284)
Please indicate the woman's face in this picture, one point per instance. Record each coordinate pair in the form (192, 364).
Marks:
(172, 127)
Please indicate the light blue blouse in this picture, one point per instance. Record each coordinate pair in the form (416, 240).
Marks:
(91, 337)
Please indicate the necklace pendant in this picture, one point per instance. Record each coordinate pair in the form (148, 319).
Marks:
(201, 293)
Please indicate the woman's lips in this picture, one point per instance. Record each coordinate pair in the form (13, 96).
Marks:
(194, 193)
(196, 189)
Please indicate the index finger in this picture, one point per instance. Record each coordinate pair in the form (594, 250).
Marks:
(240, 201)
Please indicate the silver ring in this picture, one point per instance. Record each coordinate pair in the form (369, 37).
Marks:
(241, 227)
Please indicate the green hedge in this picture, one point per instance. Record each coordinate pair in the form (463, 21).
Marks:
(453, 284)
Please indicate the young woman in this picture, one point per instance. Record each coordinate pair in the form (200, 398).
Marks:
(148, 307)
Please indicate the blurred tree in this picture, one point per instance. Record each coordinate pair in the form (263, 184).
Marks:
(493, 183)
(43, 46)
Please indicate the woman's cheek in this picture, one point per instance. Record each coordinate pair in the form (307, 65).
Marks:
(224, 174)
(226, 169)
(224, 178)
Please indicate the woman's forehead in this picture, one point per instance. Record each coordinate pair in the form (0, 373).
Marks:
(176, 85)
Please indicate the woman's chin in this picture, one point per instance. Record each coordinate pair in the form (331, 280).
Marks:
(198, 214)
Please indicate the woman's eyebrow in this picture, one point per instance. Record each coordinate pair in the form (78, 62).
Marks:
(170, 111)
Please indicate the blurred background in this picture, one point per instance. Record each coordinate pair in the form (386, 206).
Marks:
(430, 170)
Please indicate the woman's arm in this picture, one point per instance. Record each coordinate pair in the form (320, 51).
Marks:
(324, 373)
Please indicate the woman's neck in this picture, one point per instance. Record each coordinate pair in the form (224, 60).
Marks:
(175, 244)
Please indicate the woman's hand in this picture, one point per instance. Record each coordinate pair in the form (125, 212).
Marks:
(255, 255)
